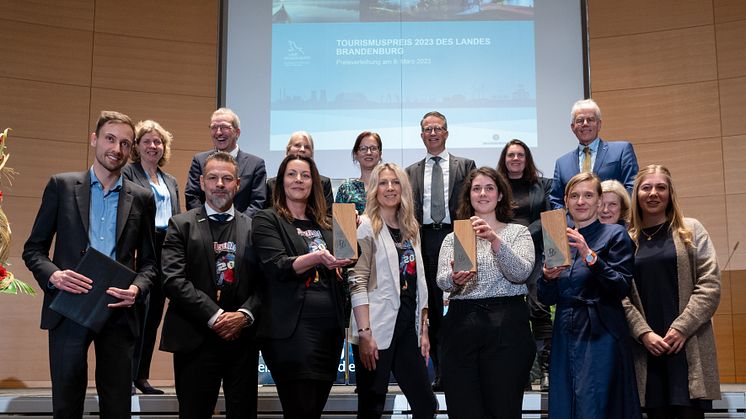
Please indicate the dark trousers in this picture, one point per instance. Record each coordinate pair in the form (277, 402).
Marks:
(198, 375)
(68, 363)
(431, 241)
(152, 319)
(488, 350)
(303, 399)
(404, 359)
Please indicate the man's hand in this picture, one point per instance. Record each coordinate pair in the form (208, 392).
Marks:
(127, 296)
(71, 281)
(229, 325)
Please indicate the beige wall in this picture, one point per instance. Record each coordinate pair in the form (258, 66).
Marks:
(670, 76)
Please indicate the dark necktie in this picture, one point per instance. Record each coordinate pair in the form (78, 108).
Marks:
(437, 202)
(586, 159)
(220, 217)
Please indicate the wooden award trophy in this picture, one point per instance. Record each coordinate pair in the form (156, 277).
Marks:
(554, 232)
(344, 229)
(464, 247)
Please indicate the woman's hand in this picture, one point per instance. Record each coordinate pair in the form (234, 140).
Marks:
(482, 229)
(551, 274)
(578, 241)
(425, 345)
(675, 340)
(655, 344)
(462, 277)
(368, 350)
(324, 257)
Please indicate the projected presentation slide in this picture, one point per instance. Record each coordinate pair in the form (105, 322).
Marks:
(340, 67)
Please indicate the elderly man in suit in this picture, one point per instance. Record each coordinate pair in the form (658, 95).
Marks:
(100, 209)
(225, 128)
(436, 181)
(210, 275)
(607, 159)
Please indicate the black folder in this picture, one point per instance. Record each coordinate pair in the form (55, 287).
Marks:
(90, 309)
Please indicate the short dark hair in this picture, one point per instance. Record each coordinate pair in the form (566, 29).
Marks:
(116, 117)
(223, 157)
(437, 115)
(530, 172)
(504, 208)
(316, 204)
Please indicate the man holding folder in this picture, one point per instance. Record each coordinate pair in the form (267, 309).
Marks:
(99, 209)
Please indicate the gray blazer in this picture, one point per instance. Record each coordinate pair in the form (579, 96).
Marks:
(136, 173)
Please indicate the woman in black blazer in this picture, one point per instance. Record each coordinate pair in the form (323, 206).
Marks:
(302, 323)
(531, 197)
(151, 151)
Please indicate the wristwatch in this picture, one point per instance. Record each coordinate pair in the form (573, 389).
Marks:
(590, 258)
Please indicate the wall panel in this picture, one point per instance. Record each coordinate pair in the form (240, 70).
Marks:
(736, 206)
(700, 176)
(724, 342)
(37, 109)
(733, 105)
(71, 14)
(710, 211)
(734, 156)
(613, 18)
(666, 113)
(731, 49)
(45, 53)
(729, 10)
(654, 59)
(154, 66)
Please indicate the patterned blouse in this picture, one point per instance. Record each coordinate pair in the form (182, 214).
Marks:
(352, 191)
(501, 274)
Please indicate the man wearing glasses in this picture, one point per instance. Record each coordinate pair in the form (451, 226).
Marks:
(609, 160)
(225, 128)
(436, 182)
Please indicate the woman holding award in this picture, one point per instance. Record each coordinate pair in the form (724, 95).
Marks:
(302, 323)
(487, 347)
(676, 293)
(591, 368)
(389, 299)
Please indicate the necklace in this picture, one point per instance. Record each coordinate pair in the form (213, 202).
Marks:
(650, 236)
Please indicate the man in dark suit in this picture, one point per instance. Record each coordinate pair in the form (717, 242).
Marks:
(100, 209)
(436, 225)
(609, 160)
(210, 276)
(225, 128)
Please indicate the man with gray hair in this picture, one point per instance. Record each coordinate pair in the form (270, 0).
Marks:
(609, 160)
(225, 128)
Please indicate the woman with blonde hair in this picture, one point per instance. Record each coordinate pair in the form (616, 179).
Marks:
(592, 373)
(676, 292)
(614, 203)
(150, 153)
(389, 299)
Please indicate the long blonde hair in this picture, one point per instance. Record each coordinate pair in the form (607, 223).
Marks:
(673, 211)
(410, 228)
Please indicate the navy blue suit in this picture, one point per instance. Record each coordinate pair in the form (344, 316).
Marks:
(614, 160)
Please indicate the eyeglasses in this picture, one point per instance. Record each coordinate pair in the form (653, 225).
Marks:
(371, 148)
(435, 129)
(220, 127)
(581, 120)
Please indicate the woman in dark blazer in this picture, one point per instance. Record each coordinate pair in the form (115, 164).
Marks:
(302, 323)
(151, 151)
(531, 197)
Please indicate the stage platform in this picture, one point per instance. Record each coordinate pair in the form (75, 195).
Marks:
(37, 403)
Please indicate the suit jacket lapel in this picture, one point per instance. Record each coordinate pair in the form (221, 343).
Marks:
(392, 257)
(242, 236)
(453, 167)
(123, 208)
(83, 199)
(205, 237)
(600, 155)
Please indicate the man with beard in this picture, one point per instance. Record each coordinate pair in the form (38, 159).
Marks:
(100, 209)
(210, 276)
(225, 128)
